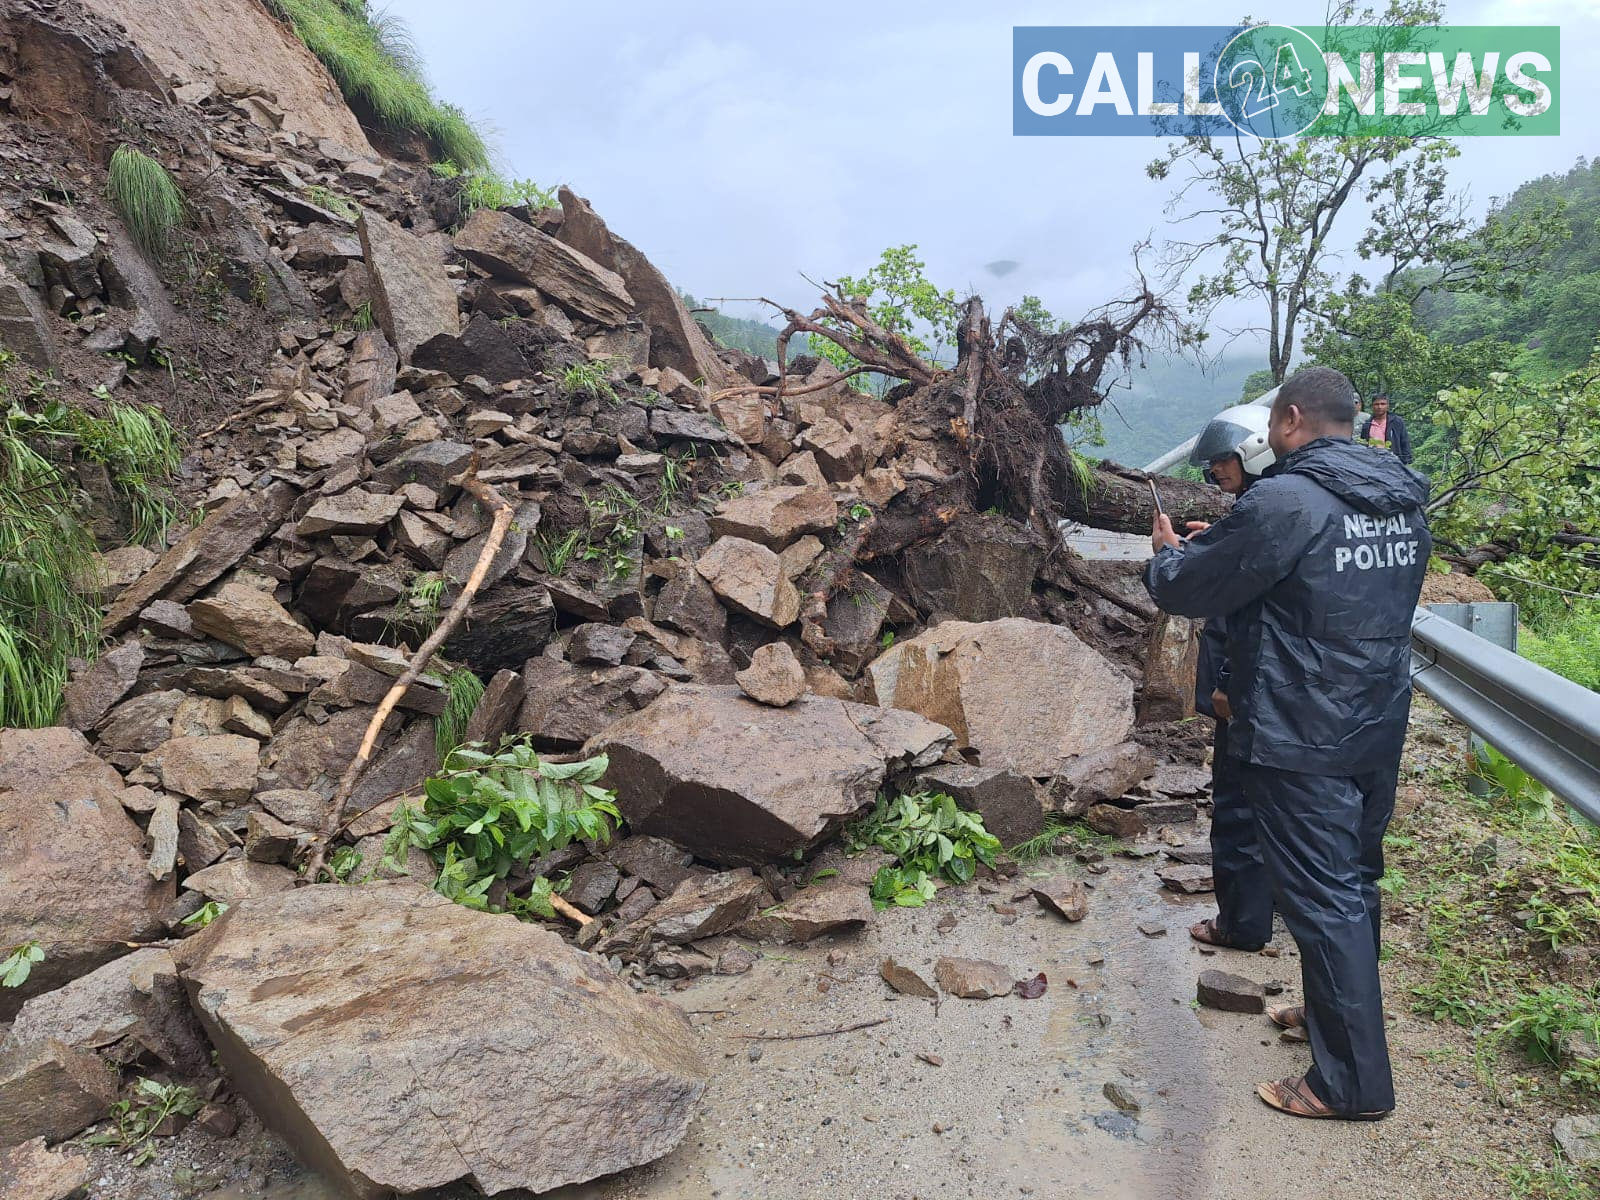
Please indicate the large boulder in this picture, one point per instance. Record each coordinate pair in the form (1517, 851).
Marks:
(72, 864)
(677, 341)
(412, 295)
(1023, 694)
(400, 1042)
(513, 249)
(979, 569)
(739, 783)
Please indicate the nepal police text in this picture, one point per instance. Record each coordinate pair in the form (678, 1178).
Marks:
(1375, 555)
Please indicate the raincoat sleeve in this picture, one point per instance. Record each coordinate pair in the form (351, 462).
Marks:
(1222, 569)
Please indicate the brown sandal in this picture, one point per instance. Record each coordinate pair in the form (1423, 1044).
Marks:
(1207, 933)
(1295, 1097)
(1288, 1016)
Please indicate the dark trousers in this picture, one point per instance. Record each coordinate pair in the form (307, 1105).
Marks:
(1244, 895)
(1322, 840)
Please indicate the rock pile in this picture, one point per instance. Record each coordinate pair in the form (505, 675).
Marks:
(665, 594)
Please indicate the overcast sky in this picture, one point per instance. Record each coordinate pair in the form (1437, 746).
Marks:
(743, 144)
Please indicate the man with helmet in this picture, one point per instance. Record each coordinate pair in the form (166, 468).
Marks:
(1318, 568)
(1234, 452)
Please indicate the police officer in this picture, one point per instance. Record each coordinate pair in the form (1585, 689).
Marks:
(1233, 449)
(1318, 566)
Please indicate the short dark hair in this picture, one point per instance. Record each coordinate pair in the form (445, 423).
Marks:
(1323, 395)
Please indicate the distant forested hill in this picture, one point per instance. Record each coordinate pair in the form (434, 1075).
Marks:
(1558, 315)
(742, 333)
(1169, 402)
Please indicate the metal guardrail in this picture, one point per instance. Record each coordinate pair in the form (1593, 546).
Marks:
(1547, 725)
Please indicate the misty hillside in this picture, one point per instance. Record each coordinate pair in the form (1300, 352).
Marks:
(1168, 402)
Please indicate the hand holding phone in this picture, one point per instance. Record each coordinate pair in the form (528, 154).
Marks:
(1161, 534)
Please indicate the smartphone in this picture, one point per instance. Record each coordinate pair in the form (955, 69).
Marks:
(1156, 496)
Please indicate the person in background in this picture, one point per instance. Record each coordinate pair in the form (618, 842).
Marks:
(1244, 896)
(1388, 428)
(1319, 565)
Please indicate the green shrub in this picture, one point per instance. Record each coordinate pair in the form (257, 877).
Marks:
(486, 189)
(484, 814)
(376, 65)
(145, 197)
(928, 835)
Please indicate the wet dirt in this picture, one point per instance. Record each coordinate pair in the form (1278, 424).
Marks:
(1018, 1104)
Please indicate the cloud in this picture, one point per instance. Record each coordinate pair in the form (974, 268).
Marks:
(740, 145)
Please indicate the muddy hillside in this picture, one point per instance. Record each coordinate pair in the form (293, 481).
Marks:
(517, 656)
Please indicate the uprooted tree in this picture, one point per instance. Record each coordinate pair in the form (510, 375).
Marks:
(984, 435)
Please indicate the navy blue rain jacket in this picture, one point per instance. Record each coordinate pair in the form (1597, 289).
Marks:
(1211, 667)
(1317, 568)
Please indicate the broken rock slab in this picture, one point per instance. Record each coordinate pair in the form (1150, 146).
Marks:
(58, 1061)
(512, 249)
(832, 906)
(216, 767)
(739, 783)
(1231, 993)
(973, 978)
(373, 1076)
(209, 550)
(253, 621)
(1065, 897)
(1023, 694)
(72, 864)
(750, 579)
(676, 341)
(30, 1171)
(1191, 879)
(1007, 801)
(700, 907)
(412, 295)
(776, 516)
(92, 694)
(1098, 776)
(906, 981)
(1579, 1139)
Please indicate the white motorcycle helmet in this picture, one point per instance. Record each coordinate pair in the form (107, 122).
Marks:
(1240, 430)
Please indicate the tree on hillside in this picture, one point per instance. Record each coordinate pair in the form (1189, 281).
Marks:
(1517, 489)
(1269, 210)
(896, 295)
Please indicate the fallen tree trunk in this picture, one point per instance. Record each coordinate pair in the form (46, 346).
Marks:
(985, 436)
(1119, 499)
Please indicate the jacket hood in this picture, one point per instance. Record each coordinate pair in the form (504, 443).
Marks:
(1370, 480)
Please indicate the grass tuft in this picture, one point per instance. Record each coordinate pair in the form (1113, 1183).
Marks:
(486, 189)
(45, 547)
(463, 690)
(145, 197)
(376, 65)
